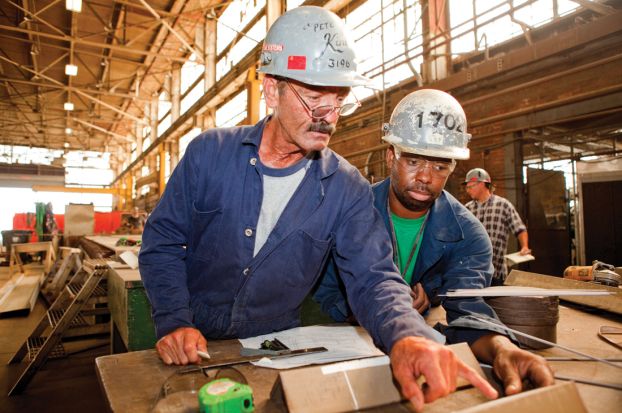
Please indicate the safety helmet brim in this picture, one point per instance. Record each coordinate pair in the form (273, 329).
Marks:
(343, 79)
(436, 151)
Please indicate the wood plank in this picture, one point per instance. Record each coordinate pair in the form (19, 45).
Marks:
(33, 247)
(611, 303)
(20, 294)
(4, 273)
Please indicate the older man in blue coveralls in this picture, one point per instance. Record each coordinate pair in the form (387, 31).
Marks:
(438, 244)
(251, 214)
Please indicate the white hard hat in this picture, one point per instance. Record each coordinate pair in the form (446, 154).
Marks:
(311, 45)
(429, 122)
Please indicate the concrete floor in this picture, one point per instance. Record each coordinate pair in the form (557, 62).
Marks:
(61, 385)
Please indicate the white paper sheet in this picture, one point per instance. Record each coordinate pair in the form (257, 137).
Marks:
(342, 342)
(130, 259)
(516, 258)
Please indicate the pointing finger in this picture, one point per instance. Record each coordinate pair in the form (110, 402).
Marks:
(476, 380)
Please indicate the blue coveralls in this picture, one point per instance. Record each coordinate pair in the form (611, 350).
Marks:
(455, 253)
(197, 262)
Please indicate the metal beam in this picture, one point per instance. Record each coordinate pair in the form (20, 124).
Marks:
(64, 87)
(99, 128)
(86, 95)
(553, 45)
(232, 80)
(56, 29)
(83, 190)
(564, 111)
(80, 41)
(600, 99)
(596, 6)
(159, 40)
(82, 52)
(173, 31)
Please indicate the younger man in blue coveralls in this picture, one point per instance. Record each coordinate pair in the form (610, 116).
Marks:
(439, 245)
(250, 215)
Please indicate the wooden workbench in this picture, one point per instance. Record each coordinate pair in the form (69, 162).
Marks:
(131, 382)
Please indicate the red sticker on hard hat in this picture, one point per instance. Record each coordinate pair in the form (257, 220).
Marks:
(296, 62)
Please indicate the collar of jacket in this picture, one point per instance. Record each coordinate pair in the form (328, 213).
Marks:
(442, 223)
(442, 227)
(326, 159)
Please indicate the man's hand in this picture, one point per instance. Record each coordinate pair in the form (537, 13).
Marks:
(421, 302)
(180, 346)
(412, 357)
(524, 251)
(511, 364)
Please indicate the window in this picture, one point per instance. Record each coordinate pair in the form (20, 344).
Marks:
(232, 112)
(192, 96)
(478, 24)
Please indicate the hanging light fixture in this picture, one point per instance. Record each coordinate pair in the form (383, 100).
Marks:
(68, 131)
(68, 106)
(73, 5)
(71, 70)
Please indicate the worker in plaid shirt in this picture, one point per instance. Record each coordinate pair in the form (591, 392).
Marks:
(499, 218)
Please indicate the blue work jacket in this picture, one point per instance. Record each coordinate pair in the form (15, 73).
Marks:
(196, 259)
(455, 253)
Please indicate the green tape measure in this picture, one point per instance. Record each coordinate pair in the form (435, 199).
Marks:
(225, 396)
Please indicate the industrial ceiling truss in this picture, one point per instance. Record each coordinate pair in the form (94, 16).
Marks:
(93, 79)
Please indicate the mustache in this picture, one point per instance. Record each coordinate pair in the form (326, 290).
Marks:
(322, 127)
(419, 187)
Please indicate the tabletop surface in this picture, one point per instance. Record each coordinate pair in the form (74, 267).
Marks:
(133, 382)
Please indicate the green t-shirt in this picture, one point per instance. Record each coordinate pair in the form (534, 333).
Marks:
(406, 231)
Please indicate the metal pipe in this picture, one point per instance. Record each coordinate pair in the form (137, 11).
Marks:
(538, 339)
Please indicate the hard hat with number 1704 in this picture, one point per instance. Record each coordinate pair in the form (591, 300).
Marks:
(311, 45)
(429, 122)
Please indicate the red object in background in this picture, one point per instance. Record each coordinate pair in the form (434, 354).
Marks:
(105, 222)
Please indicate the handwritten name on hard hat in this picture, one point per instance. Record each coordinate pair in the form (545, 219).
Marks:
(318, 27)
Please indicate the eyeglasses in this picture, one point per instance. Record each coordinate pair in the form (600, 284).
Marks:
(416, 164)
(323, 111)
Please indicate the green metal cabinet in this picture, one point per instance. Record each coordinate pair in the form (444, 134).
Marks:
(132, 326)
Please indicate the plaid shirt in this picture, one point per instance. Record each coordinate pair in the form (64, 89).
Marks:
(500, 219)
